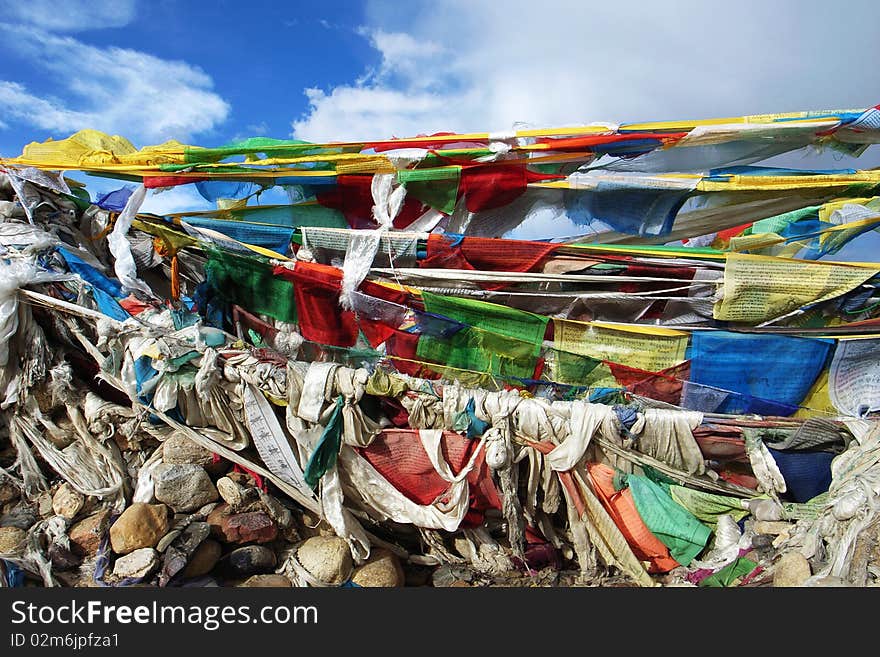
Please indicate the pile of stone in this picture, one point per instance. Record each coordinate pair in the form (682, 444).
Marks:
(204, 524)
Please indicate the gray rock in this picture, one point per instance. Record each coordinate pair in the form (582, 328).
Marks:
(250, 560)
(138, 564)
(63, 557)
(21, 517)
(184, 487)
(179, 449)
(8, 492)
(448, 575)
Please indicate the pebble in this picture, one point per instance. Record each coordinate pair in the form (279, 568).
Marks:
(8, 492)
(138, 564)
(231, 492)
(831, 581)
(12, 540)
(382, 569)
(266, 581)
(792, 569)
(183, 486)
(448, 575)
(326, 558)
(771, 527)
(44, 504)
(203, 560)
(140, 525)
(62, 557)
(178, 449)
(67, 501)
(86, 534)
(253, 527)
(250, 560)
(21, 517)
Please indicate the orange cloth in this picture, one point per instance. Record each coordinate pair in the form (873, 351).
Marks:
(622, 509)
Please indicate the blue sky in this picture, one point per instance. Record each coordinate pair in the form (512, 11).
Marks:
(211, 71)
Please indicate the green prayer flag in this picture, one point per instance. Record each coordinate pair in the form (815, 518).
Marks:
(498, 339)
(249, 283)
(327, 449)
(437, 188)
(676, 527)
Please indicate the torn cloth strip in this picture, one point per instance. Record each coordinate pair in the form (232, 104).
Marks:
(622, 508)
(775, 368)
(484, 254)
(321, 319)
(276, 238)
(353, 197)
(89, 274)
(327, 449)
(489, 186)
(114, 201)
(398, 455)
(665, 385)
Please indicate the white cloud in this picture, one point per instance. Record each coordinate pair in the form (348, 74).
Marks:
(69, 15)
(115, 90)
(466, 65)
(183, 198)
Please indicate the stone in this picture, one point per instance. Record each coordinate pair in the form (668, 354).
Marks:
(21, 517)
(250, 560)
(44, 504)
(8, 492)
(178, 449)
(67, 501)
(448, 575)
(382, 569)
(326, 558)
(279, 513)
(138, 564)
(762, 541)
(231, 492)
(63, 557)
(203, 559)
(85, 536)
(183, 486)
(773, 528)
(831, 581)
(12, 540)
(140, 525)
(253, 527)
(215, 519)
(241, 499)
(266, 581)
(181, 549)
(792, 569)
